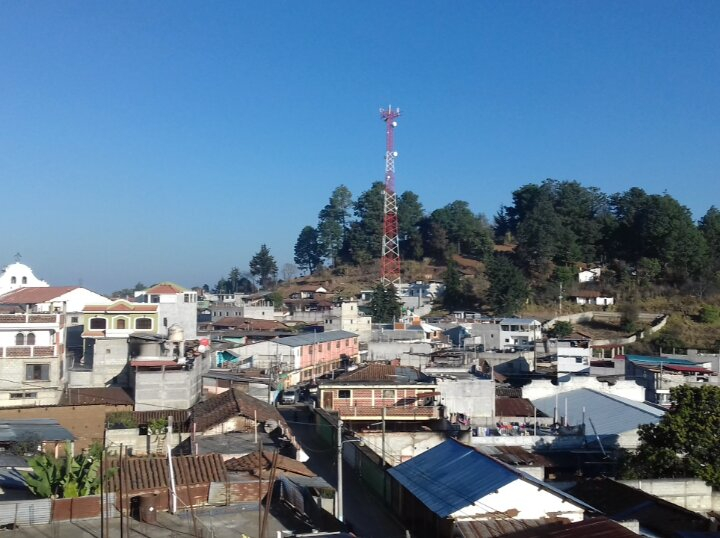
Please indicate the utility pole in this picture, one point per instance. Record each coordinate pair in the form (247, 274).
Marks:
(339, 503)
(390, 263)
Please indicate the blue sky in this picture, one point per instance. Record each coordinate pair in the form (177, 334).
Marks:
(147, 141)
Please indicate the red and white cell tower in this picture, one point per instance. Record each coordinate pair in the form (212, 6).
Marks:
(390, 268)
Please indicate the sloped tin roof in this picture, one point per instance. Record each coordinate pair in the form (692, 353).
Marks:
(610, 414)
(451, 476)
(315, 338)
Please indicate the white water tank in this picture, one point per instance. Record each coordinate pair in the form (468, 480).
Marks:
(176, 333)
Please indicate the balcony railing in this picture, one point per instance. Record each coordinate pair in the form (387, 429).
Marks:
(23, 319)
(406, 412)
(24, 352)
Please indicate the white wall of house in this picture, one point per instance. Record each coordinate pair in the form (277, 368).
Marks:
(473, 397)
(573, 359)
(540, 388)
(269, 353)
(401, 446)
(527, 499)
(18, 275)
(590, 275)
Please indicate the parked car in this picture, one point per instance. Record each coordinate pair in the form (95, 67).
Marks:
(289, 397)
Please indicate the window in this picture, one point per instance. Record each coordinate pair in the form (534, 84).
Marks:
(98, 324)
(13, 280)
(121, 324)
(19, 339)
(578, 360)
(37, 372)
(388, 394)
(143, 324)
(328, 346)
(186, 296)
(164, 322)
(24, 280)
(20, 395)
(74, 319)
(344, 394)
(154, 298)
(30, 339)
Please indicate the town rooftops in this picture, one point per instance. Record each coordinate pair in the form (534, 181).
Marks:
(35, 295)
(120, 306)
(610, 414)
(41, 429)
(451, 476)
(381, 373)
(315, 338)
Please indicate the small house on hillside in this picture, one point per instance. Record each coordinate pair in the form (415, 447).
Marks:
(592, 297)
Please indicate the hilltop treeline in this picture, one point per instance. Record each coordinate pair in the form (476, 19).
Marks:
(549, 230)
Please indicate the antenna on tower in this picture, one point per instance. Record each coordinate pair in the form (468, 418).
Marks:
(390, 262)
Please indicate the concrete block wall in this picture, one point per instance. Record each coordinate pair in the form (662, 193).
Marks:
(692, 494)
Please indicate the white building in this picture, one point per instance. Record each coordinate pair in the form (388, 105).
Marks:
(346, 316)
(590, 275)
(36, 332)
(573, 356)
(18, 275)
(176, 306)
(503, 334)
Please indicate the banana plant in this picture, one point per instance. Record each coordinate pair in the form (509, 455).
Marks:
(67, 477)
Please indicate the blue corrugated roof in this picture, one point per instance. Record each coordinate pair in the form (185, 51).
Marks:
(451, 476)
(315, 338)
(41, 429)
(659, 360)
(611, 415)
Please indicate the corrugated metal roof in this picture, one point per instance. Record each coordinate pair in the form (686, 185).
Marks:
(315, 338)
(451, 476)
(42, 429)
(643, 359)
(598, 527)
(513, 407)
(496, 528)
(610, 414)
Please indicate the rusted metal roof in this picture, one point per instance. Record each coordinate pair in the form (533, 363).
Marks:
(495, 528)
(229, 404)
(253, 462)
(140, 474)
(597, 527)
(181, 418)
(514, 407)
(515, 455)
(96, 396)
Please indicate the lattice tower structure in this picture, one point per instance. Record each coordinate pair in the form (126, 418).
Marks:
(390, 262)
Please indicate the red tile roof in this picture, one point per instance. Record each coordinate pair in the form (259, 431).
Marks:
(251, 463)
(165, 288)
(597, 527)
(154, 472)
(35, 295)
(229, 404)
